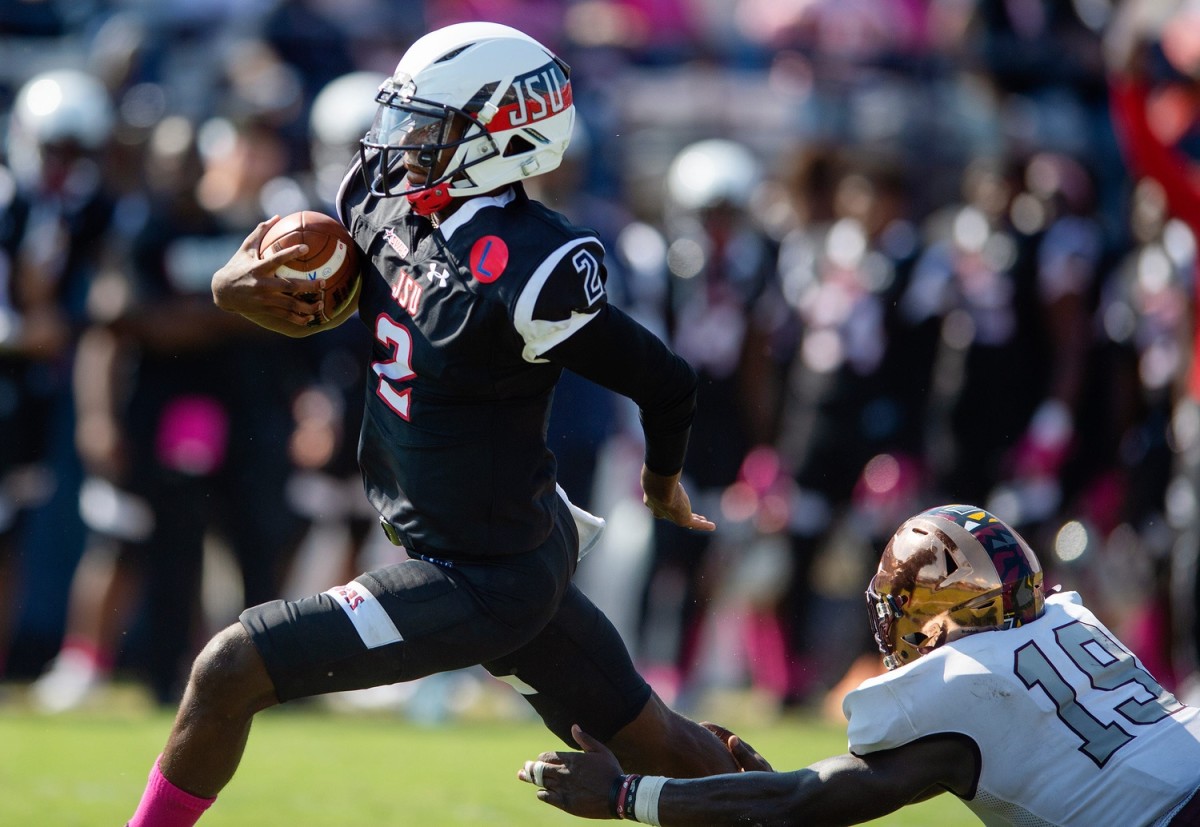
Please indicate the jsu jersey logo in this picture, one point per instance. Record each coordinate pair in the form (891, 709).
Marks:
(407, 292)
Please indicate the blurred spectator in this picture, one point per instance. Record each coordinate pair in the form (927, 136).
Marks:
(176, 426)
(1154, 66)
(1010, 355)
(1057, 207)
(55, 218)
(722, 302)
(850, 434)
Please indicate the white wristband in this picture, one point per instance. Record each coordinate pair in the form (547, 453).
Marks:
(645, 806)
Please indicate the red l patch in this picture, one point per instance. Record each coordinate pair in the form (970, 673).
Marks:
(489, 257)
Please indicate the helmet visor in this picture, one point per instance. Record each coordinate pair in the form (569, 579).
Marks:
(407, 129)
(416, 132)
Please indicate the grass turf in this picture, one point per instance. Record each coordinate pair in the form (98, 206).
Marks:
(308, 767)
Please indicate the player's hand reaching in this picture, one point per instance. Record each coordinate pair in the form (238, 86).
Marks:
(666, 498)
(247, 285)
(578, 782)
(746, 756)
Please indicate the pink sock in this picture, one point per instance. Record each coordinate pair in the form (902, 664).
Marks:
(100, 660)
(165, 805)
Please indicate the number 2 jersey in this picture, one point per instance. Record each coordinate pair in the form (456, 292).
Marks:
(1071, 729)
(473, 322)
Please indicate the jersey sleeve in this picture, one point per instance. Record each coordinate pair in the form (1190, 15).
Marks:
(877, 718)
(614, 351)
(563, 294)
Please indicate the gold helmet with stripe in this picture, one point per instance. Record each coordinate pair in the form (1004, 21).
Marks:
(948, 572)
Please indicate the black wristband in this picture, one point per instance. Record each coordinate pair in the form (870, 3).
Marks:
(631, 796)
(614, 794)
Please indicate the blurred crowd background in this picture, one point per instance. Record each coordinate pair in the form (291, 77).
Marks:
(919, 251)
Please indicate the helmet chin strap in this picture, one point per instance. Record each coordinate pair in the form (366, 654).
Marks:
(427, 202)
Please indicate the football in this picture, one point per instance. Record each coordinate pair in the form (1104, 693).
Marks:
(331, 256)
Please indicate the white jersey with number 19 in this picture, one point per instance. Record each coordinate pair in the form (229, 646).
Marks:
(1071, 728)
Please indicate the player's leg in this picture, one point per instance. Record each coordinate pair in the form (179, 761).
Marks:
(229, 683)
(393, 624)
(227, 686)
(578, 671)
(285, 650)
(660, 741)
(410, 620)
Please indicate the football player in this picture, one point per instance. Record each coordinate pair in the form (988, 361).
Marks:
(1023, 705)
(477, 298)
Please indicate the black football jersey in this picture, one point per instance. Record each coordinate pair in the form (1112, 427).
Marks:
(473, 322)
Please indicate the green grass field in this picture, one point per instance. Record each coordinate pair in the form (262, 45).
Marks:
(311, 768)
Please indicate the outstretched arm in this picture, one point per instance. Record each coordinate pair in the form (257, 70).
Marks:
(845, 789)
(614, 351)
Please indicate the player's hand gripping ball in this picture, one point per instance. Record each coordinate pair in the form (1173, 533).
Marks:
(331, 256)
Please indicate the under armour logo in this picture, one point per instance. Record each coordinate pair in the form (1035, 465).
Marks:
(434, 272)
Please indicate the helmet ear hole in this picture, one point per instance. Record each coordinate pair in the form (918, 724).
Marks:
(951, 565)
(517, 146)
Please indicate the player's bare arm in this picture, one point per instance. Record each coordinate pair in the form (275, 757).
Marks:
(845, 789)
(247, 285)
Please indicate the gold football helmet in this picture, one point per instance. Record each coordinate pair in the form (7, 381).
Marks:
(949, 572)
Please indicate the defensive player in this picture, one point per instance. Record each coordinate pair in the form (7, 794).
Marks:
(477, 298)
(1025, 707)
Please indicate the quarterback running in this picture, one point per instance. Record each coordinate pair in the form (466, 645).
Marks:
(477, 298)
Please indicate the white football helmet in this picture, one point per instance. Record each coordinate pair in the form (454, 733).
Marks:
(712, 172)
(341, 114)
(511, 95)
(58, 108)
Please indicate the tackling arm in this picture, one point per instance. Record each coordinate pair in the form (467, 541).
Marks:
(845, 789)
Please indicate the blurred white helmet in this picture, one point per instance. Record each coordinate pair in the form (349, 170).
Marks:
(63, 107)
(712, 172)
(343, 110)
(340, 116)
(511, 94)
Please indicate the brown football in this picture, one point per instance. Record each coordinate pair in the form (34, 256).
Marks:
(331, 255)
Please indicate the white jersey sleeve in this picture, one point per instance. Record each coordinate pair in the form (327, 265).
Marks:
(1071, 728)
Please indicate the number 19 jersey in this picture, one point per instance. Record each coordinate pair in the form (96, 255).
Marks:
(1071, 728)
